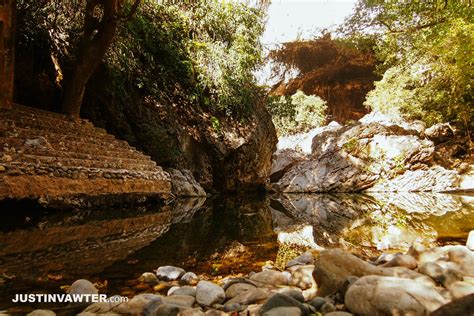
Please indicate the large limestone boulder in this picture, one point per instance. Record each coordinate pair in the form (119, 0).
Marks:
(183, 184)
(434, 179)
(365, 156)
(380, 295)
(284, 160)
(302, 142)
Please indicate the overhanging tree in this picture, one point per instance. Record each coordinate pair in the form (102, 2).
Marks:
(101, 19)
(427, 57)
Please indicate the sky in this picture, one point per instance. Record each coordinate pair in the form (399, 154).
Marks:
(288, 18)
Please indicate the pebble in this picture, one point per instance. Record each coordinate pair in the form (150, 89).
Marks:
(169, 273)
(184, 290)
(318, 302)
(149, 278)
(304, 259)
(189, 278)
(270, 277)
(401, 260)
(82, 286)
(328, 307)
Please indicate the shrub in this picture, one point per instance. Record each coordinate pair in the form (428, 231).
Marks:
(298, 113)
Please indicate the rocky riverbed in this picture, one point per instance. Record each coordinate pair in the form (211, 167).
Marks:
(422, 281)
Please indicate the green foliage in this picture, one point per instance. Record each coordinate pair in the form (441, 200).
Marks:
(298, 113)
(215, 124)
(201, 53)
(426, 49)
(204, 52)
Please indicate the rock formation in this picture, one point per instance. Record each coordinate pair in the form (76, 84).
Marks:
(374, 155)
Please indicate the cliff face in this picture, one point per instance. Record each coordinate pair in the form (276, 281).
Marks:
(223, 153)
(337, 72)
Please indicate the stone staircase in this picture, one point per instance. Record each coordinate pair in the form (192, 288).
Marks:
(50, 156)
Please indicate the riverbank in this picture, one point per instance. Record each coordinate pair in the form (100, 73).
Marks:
(422, 281)
(214, 238)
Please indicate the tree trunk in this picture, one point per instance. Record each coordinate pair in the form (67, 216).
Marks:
(7, 52)
(97, 37)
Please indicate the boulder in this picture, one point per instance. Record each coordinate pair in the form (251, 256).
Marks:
(208, 293)
(138, 305)
(380, 295)
(334, 266)
(367, 156)
(282, 161)
(462, 306)
(293, 293)
(460, 289)
(237, 289)
(464, 258)
(434, 179)
(470, 240)
(192, 312)
(402, 260)
(283, 311)
(302, 142)
(249, 297)
(41, 312)
(169, 273)
(184, 185)
(281, 300)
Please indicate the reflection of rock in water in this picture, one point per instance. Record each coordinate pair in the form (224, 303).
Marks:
(330, 214)
(226, 236)
(381, 220)
(426, 203)
(84, 243)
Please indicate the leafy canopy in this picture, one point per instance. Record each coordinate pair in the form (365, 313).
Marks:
(427, 58)
(200, 52)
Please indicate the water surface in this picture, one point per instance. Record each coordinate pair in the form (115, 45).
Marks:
(41, 250)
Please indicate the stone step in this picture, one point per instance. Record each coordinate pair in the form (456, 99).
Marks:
(55, 127)
(21, 110)
(84, 148)
(50, 117)
(26, 168)
(26, 133)
(73, 162)
(100, 156)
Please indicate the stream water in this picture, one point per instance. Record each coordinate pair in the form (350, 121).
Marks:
(40, 250)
